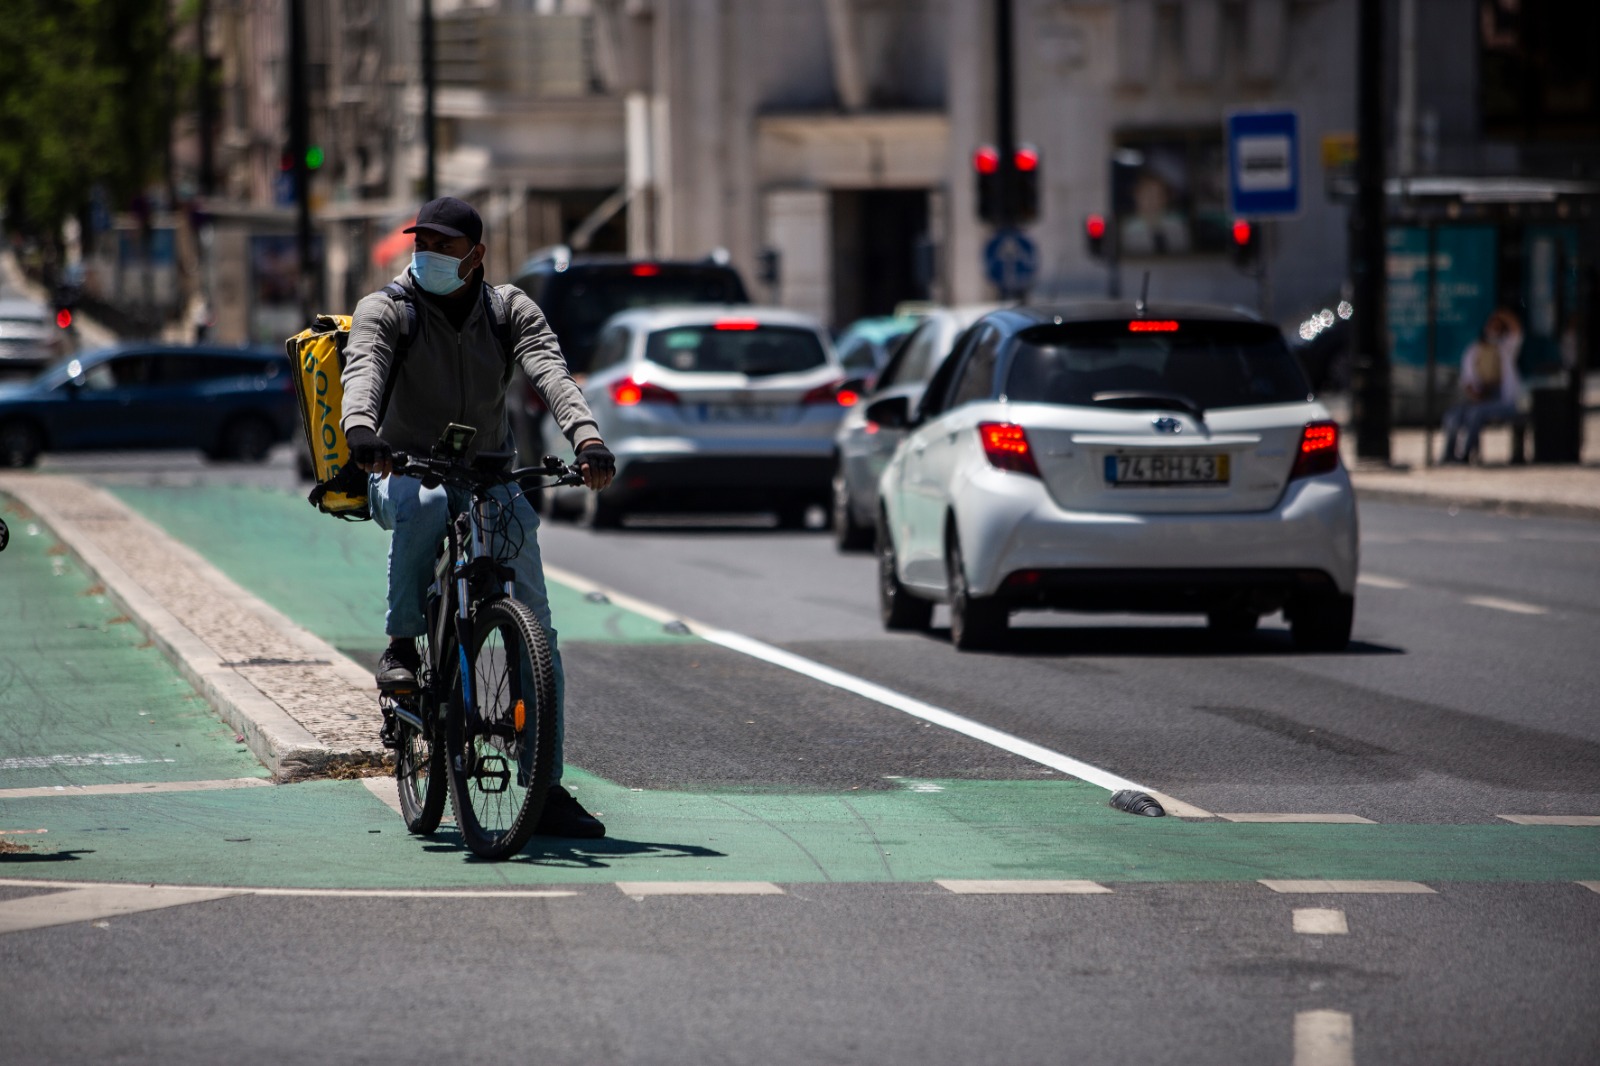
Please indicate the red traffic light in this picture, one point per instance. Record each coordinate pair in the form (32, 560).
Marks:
(1095, 226)
(1026, 159)
(1241, 232)
(986, 160)
(64, 318)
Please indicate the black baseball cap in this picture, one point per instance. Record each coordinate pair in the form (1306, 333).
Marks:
(451, 217)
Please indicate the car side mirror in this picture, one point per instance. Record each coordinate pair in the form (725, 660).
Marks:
(891, 413)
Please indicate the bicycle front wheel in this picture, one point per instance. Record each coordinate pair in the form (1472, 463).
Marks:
(502, 740)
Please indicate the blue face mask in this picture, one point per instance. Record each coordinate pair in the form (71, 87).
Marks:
(438, 274)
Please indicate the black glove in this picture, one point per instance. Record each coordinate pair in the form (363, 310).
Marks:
(598, 458)
(366, 447)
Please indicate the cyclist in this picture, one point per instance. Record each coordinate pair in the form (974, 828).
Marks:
(455, 369)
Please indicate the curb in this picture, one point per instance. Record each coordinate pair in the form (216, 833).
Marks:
(1515, 508)
(287, 747)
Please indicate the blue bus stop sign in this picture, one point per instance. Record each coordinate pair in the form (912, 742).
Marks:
(1010, 261)
(1263, 164)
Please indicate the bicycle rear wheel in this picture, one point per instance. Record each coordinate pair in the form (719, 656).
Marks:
(501, 755)
(419, 761)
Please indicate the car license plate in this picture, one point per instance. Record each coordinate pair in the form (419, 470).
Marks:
(741, 412)
(1167, 469)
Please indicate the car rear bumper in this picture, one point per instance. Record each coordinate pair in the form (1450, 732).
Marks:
(707, 480)
(1162, 562)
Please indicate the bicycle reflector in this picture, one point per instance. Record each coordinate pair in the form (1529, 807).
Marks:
(519, 715)
(1319, 450)
(1005, 445)
(628, 392)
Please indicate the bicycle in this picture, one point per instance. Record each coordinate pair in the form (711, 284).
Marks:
(481, 722)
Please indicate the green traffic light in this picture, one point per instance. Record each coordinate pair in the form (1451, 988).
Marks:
(314, 157)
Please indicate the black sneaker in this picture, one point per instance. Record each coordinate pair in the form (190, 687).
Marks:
(397, 669)
(563, 816)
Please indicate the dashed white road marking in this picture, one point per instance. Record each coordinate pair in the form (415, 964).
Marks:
(1320, 921)
(101, 901)
(93, 758)
(1337, 887)
(1495, 603)
(1378, 581)
(699, 888)
(878, 693)
(1550, 819)
(218, 892)
(133, 789)
(1043, 888)
(1324, 819)
(1324, 1038)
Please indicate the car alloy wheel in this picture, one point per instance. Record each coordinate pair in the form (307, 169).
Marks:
(975, 621)
(896, 607)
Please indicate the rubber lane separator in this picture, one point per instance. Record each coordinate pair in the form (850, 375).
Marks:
(879, 694)
(1023, 888)
(1320, 921)
(1315, 819)
(1550, 819)
(1347, 887)
(641, 889)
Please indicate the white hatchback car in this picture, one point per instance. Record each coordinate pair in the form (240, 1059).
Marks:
(1101, 457)
(726, 407)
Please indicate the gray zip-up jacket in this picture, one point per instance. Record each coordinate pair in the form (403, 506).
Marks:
(453, 376)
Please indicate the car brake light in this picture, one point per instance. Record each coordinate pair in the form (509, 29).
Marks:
(630, 393)
(1005, 444)
(831, 393)
(736, 323)
(645, 270)
(1319, 450)
(1152, 325)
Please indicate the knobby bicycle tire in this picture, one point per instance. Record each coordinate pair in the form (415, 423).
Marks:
(419, 768)
(499, 774)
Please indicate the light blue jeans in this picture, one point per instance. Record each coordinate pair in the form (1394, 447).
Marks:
(1463, 425)
(416, 518)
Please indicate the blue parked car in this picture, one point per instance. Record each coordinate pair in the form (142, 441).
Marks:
(231, 403)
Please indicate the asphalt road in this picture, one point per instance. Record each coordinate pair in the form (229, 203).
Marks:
(1468, 694)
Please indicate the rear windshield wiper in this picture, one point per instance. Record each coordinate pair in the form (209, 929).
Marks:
(1143, 399)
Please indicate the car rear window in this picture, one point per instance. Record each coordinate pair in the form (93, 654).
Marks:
(578, 301)
(759, 352)
(1214, 364)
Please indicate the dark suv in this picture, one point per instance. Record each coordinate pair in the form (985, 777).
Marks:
(577, 293)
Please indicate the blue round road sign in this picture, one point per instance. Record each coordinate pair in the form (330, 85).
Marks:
(1010, 261)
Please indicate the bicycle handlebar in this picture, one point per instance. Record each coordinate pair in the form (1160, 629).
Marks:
(466, 475)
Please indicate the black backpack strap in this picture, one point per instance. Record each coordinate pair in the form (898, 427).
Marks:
(494, 305)
(408, 336)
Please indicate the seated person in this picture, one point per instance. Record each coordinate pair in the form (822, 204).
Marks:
(1491, 390)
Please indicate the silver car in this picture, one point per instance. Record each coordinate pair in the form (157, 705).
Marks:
(862, 448)
(28, 337)
(720, 407)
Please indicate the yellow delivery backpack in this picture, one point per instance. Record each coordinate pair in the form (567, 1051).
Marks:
(317, 355)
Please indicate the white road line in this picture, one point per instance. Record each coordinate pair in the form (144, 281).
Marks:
(1021, 888)
(1320, 921)
(93, 758)
(102, 901)
(1550, 819)
(1592, 886)
(349, 893)
(699, 888)
(1325, 819)
(1324, 1038)
(1495, 603)
(1393, 887)
(880, 694)
(133, 789)
(1378, 581)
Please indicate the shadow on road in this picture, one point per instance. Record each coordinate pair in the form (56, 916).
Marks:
(1155, 642)
(579, 854)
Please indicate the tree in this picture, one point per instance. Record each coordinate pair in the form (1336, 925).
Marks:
(88, 90)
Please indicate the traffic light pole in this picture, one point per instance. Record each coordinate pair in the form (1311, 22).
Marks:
(1371, 363)
(1005, 118)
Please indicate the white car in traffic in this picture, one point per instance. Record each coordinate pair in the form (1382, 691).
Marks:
(1103, 457)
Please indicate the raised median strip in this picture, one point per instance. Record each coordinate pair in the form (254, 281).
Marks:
(303, 708)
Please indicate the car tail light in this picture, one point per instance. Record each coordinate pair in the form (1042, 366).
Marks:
(740, 324)
(631, 393)
(832, 393)
(1152, 325)
(645, 270)
(1319, 450)
(1006, 446)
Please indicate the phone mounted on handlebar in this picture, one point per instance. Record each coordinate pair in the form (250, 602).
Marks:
(454, 442)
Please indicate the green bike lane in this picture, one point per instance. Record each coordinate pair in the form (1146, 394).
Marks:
(78, 682)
